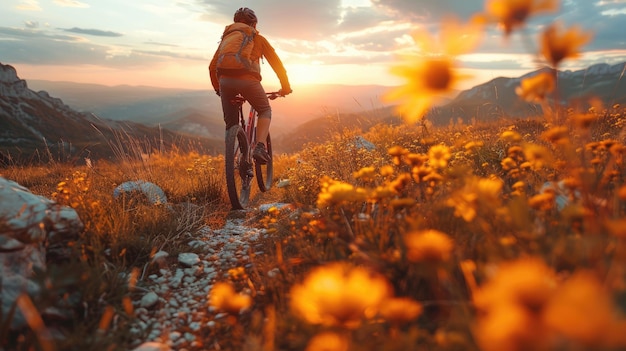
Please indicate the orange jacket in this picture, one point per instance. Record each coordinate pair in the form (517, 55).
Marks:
(262, 48)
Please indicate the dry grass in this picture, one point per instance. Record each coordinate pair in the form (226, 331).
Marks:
(439, 238)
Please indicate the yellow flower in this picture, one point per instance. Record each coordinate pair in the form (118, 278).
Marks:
(224, 298)
(400, 310)
(365, 173)
(339, 294)
(557, 44)
(328, 341)
(428, 245)
(510, 136)
(527, 282)
(397, 152)
(336, 192)
(582, 310)
(538, 156)
(537, 87)
(438, 156)
(465, 200)
(556, 134)
(511, 14)
(433, 73)
(584, 120)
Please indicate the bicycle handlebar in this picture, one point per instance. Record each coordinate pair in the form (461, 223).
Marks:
(272, 96)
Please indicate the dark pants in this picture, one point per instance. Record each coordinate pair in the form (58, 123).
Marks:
(251, 90)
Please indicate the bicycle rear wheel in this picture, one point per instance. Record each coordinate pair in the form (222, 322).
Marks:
(265, 173)
(238, 180)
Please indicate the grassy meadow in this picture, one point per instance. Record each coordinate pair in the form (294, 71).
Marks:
(508, 235)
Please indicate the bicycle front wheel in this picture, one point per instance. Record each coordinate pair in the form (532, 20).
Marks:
(265, 173)
(238, 168)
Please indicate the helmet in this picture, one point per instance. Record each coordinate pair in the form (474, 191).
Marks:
(245, 15)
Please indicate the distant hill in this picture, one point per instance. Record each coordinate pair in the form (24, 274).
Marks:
(168, 107)
(490, 101)
(35, 125)
(497, 98)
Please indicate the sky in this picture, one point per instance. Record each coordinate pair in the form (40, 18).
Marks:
(169, 43)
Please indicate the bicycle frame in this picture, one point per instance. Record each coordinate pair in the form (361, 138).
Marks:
(240, 166)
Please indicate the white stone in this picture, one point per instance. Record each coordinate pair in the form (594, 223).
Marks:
(149, 299)
(188, 259)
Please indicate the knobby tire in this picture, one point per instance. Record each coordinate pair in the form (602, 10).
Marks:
(236, 159)
(265, 173)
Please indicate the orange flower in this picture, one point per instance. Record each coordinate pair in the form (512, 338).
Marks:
(558, 44)
(537, 87)
(511, 14)
(428, 245)
(328, 341)
(400, 310)
(224, 298)
(432, 73)
(339, 294)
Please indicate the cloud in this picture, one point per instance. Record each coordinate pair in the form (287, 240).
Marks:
(429, 10)
(94, 32)
(310, 20)
(28, 5)
(71, 3)
(31, 24)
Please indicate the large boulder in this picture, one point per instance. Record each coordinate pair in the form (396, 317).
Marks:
(30, 227)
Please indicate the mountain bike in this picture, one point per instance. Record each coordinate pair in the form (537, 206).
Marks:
(240, 141)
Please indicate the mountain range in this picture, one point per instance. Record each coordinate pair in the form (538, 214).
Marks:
(497, 98)
(90, 116)
(35, 126)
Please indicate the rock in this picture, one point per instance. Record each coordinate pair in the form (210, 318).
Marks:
(152, 192)
(30, 223)
(149, 300)
(160, 257)
(188, 259)
(152, 346)
(362, 143)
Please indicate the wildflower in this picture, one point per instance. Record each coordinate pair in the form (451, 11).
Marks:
(537, 87)
(397, 152)
(328, 341)
(400, 310)
(402, 203)
(438, 156)
(416, 160)
(335, 192)
(543, 201)
(428, 245)
(582, 310)
(464, 204)
(508, 163)
(434, 73)
(555, 134)
(510, 136)
(224, 298)
(339, 294)
(527, 282)
(583, 120)
(386, 171)
(511, 14)
(538, 156)
(509, 303)
(473, 145)
(557, 45)
(465, 201)
(365, 173)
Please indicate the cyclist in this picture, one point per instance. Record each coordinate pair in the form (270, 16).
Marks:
(247, 82)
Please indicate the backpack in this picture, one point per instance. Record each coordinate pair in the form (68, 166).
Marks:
(235, 49)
